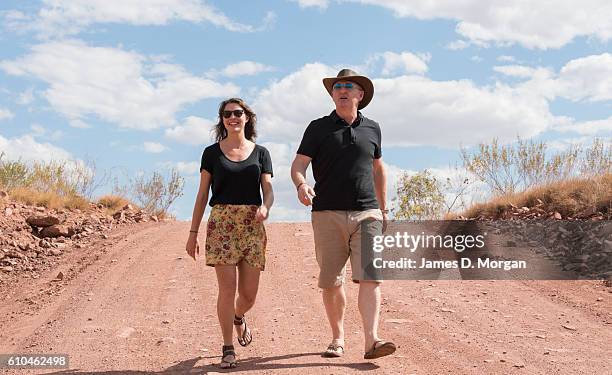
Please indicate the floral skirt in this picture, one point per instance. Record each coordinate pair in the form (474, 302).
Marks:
(233, 235)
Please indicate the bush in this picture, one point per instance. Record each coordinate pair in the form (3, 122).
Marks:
(156, 193)
(419, 197)
(516, 167)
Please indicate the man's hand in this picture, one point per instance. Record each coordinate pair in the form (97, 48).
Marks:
(193, 246)
(305, 194)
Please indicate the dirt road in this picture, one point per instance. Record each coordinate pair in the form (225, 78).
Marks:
(138, 305)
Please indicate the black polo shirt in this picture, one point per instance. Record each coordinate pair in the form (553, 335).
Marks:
(342, 156)
(236, 182)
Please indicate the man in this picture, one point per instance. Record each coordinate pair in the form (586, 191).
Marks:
(350, 190)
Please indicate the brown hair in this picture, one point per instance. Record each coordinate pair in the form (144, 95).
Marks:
(249, 129)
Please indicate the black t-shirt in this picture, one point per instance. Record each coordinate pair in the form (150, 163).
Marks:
(342, 158)
(236, 182)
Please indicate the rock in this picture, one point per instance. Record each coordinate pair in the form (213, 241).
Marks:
(55, 252)
(154, 218)
(42, 220)
(569, 327)
(557, 216)
(6, 269)
(40, 209)
(59, 277)
(57, 231)
(8, 211)
(396, 321)
(128, 207)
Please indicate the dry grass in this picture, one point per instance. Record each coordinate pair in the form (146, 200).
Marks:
(570, 198)
(48, 199)
(113, 202)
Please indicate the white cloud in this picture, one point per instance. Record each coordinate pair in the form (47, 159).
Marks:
(506, 58)
(153, 147)
(59, 18)
(27, 149)
(533, 24)
(515, 71)
(245, 68)
(587, 128)
(403, 63)
(79, 124)
(37, 130)
(587, 78)
(117, 86)
(412, 110)
(284, 112)
(312, 3)
(5, 114)
(457, 45)
(40, 131)
(190, 169)
(26, 97)
(194, 131)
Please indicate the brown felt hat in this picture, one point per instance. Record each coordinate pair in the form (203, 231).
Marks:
(350, 75)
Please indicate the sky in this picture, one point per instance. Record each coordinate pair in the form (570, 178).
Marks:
(135, 85)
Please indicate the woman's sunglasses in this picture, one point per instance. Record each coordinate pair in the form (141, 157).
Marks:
(235, 112)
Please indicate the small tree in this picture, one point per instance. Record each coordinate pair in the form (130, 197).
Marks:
(419, 196)
(13, 174)
(156, 194)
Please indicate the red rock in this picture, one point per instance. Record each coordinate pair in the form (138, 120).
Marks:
(42, 220)
(57, 231)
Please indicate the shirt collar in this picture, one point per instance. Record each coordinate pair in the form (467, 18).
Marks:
(336, 118)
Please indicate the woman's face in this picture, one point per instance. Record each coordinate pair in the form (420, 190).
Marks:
(234, 118)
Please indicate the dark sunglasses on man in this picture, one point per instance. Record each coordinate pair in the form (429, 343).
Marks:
(235, 112)
(348, 86)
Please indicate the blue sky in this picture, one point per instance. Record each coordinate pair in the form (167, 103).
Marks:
(135, 85)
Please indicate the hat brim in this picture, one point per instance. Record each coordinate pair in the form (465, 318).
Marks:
(364, 82)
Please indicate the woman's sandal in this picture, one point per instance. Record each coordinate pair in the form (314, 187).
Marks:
(246, 338)
(228, 359)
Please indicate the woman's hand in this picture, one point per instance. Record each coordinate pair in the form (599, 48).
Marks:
(261, 214)
(193, 246)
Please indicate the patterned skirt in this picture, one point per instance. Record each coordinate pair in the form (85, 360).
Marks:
(233, 235)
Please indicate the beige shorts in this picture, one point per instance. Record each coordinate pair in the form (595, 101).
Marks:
(337, 236)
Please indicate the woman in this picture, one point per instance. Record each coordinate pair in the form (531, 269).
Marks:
(234, 168)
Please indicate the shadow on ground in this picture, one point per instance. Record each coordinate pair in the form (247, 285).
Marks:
(247, 364)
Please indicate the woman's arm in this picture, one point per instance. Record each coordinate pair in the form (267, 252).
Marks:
(193, 246)
(268, 197)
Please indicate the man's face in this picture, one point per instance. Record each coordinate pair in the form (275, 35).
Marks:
(346, 97)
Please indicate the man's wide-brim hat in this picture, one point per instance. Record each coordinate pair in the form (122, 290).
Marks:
(350, 75)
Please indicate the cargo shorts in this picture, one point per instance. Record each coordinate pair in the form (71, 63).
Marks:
(338, 237)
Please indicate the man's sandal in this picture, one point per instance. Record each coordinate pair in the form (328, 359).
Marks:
(380, 349)
(333, 351)
(246, 338)
(228, 359)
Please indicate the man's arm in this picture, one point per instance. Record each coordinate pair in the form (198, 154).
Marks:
(380, 186)
(298, 175)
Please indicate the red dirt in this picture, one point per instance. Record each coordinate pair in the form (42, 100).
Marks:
(137, 304)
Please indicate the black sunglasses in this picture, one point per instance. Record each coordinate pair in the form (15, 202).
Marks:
(236, 112)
